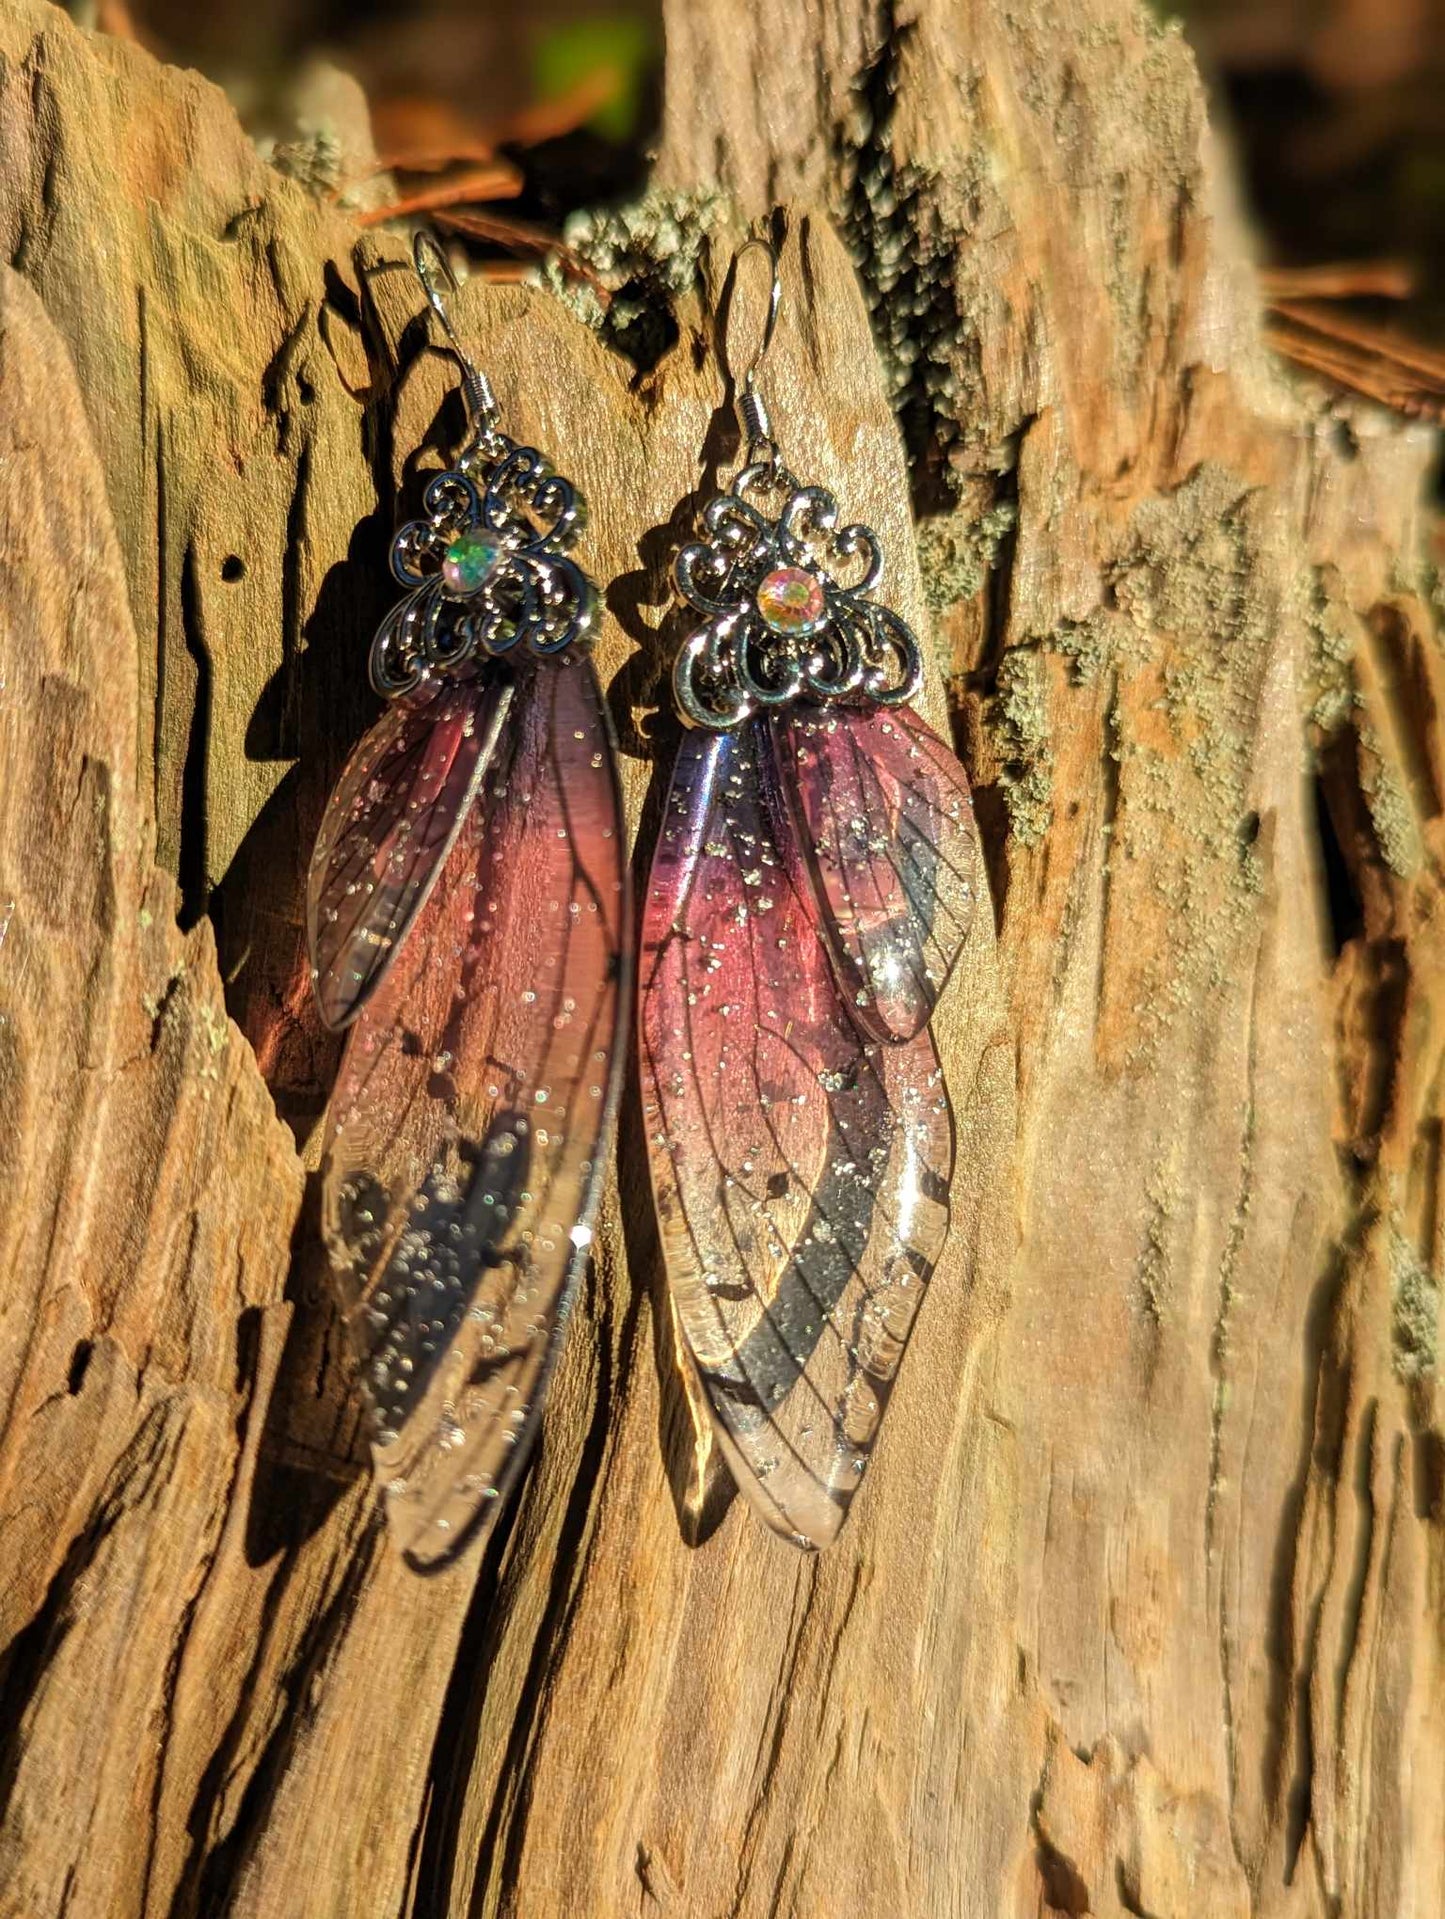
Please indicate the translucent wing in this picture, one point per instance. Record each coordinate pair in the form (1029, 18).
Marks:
(470, 1117)
(800, 1170)
(885, 824)
(388, 828)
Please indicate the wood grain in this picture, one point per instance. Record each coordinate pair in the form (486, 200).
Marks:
(1139, 1608)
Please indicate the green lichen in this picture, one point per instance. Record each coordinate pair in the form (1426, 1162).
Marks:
(1018, 717)
(1333, 633)
(644, 253)
(957, 552)
(1184, 631)
(903, 223)
(1105, 642)
(313, 158)
(1432, 591)
(214, 1027)
(1397, 832)
(1335, 638)
(1415, 1303)
(215, 1037)
(906, 259)
(1163, 1194)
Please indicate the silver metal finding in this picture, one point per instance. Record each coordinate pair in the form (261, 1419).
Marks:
(752, 409)
(789, 614)
(487, 566)
(428, 253)
(786, 593)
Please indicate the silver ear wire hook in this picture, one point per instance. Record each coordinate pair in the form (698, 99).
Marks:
(752, 411)
(427, 255)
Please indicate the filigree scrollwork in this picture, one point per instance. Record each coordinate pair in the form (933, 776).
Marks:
(788, 613)
(487, 569)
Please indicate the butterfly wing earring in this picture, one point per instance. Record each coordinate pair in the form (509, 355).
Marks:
(810, 891)
(468, 922)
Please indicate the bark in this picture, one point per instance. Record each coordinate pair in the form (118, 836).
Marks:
(1139, 1610)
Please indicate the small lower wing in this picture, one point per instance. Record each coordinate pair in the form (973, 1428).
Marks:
(800, 1169)
(471, 1116)
(395, 815)
(884, 823)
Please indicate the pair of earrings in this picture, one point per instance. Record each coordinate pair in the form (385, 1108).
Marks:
(469, 921)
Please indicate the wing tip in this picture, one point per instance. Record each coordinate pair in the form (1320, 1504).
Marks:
(813, 1532)
(894, 1021)
(336, 1007)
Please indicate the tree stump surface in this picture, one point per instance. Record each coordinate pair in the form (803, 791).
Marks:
(1141, 1609)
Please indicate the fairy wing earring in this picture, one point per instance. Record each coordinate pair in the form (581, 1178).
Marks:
(809, 895)
(468, 921)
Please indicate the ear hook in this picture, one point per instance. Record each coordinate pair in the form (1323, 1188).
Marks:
(427, 254)
(752, 412)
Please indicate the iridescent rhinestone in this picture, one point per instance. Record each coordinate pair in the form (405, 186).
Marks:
(468, 560)
(791, 600)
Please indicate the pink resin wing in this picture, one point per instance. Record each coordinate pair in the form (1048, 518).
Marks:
(470, 1118)
(800, 1169)
(388, 828)
(884, 822)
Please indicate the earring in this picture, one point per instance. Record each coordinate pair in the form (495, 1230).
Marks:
(809, 894)
(468, 921)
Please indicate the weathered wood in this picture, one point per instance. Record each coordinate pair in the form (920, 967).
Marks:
(1139, 1609)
